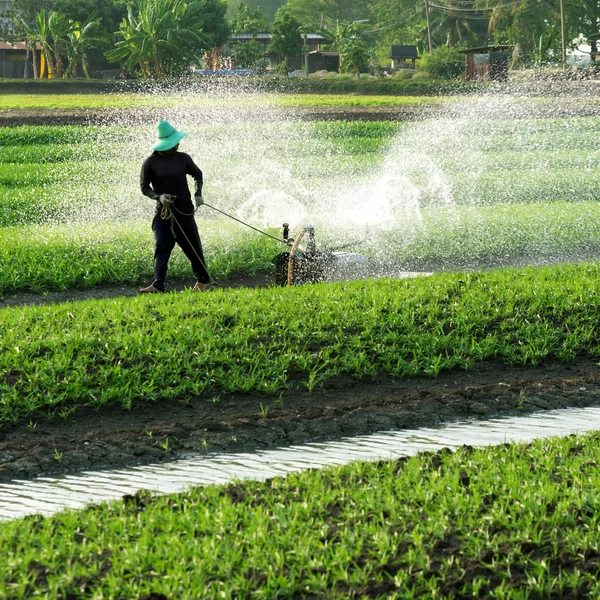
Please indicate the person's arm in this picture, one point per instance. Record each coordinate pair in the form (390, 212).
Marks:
(194, 171)
(146, 181)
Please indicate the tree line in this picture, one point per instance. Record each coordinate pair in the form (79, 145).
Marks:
(161, 38)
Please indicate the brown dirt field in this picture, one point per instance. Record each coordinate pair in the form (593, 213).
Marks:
(551, 108)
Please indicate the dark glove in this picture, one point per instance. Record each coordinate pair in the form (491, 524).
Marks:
(199, 200)
(167, 200)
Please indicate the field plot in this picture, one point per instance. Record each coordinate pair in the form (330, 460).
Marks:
(439, 194)
(111, 382)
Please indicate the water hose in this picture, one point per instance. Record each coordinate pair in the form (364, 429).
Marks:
(171, 215)
(248, 225)
(290, 278)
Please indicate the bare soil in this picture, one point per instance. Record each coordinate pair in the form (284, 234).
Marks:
(549, 109)
(113, 437)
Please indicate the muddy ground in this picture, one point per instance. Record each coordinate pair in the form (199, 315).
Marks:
(90, 439)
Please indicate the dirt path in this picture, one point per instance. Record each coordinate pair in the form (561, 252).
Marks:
(114, 438)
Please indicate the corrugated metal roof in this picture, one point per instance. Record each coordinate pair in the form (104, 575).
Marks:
(496, 48)
(312, 38)
(403, 52)
(16, 46)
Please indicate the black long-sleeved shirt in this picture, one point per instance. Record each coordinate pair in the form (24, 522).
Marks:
(167, 175)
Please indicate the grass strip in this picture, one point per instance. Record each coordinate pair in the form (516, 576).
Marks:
(37, 259)
(59, 257)
(125, 351)
(115, 100)
(509, 522)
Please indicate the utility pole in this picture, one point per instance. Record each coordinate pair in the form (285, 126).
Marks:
(562, 33)
(429, 24)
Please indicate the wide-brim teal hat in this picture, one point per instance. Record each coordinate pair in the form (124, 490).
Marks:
(168, 136)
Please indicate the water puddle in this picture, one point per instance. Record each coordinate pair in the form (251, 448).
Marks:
(49, 495)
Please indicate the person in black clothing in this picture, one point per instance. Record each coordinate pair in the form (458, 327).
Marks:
(164, 179)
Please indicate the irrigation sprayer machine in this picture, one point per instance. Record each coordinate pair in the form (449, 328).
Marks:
(304, 263)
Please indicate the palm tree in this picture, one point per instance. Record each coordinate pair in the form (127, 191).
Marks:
(59, 28)
(41, 33)
(31, 39)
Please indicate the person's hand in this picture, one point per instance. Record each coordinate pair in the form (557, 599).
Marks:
(167, 200)
(199, 200)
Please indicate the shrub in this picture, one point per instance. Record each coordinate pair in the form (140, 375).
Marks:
(444, 62)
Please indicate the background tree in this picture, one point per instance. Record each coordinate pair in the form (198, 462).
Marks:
(252, 21)
(286, 39)
(82, 37)
(268, 7)
(355, 49)
(18, 24)
(110, 14)
(444, 62)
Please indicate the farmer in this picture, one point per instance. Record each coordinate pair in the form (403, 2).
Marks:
(163, 178)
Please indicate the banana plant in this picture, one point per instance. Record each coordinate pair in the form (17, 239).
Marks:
(81, 37)
(160, 37)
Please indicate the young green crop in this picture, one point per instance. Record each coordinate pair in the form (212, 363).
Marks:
(62, 257)
(508, 522)
(141, 349)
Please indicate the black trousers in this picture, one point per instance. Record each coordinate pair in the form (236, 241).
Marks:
(165, 242)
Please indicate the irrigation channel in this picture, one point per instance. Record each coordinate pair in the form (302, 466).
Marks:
(48, 495)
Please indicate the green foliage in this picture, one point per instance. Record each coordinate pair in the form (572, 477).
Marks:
(162, 37)
(97, 353)
(110, 14)
(353, 49)
(510, 522)
(444, 63)
(249, 54)
(286, 35)
(247, 20)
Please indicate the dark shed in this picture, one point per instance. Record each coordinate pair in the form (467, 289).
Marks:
(12, 59)
(403, 57)
(487, 63)
(323, 61)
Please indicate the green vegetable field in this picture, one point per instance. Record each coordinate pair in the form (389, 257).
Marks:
(493, 206)
(510, 523)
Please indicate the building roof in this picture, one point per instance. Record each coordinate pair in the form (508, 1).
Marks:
(488, 48)
(403, 52)
(265, 38)
(16, 46)
(324, 53)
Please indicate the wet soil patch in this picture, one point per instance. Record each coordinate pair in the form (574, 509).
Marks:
(164, 431)
(571, 107)
(121, 290)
